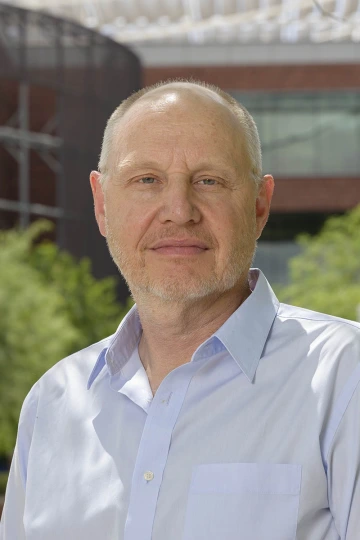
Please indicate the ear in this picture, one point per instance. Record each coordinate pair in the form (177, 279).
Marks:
(99, 204)
(263, 201)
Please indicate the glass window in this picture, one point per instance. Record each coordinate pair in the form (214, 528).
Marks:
(307, 133)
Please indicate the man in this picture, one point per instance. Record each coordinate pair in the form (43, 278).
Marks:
(214, 412)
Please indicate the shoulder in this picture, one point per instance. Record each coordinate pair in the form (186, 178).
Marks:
(324, 346)
(68, 375)
(287, 311)
(315, 323)
(331, 344)
(75, 368)
(77, 365)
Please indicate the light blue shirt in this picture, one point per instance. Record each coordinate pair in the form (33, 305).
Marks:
(256, 438)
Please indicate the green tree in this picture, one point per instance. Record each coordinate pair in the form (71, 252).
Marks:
(31, 315)
(50, 306)
(90, 304)
(325, 277)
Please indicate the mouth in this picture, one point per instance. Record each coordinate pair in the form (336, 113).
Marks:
(179, 250)
(179, 247)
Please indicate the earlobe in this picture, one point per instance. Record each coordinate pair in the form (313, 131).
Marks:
(263, 202)
(99, 201)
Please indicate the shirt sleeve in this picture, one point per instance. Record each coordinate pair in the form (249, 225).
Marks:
(12, 520)
(343, 461)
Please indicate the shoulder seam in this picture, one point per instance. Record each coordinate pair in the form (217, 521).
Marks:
(331, 320)
(97, 343)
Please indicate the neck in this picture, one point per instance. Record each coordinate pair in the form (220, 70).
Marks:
(172, 331)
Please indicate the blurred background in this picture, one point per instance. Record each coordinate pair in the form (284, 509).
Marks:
(64, 67)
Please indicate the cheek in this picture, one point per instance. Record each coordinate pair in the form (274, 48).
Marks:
(227, 220)
(126, 220)
(234, 226)
(223, 226)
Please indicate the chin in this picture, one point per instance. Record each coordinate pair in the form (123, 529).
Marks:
(183, 283)
(182, 291)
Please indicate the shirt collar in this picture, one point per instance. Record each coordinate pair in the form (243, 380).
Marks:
(244, 334)
(121, 346)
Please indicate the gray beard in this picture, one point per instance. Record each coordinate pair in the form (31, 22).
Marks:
(169, 290)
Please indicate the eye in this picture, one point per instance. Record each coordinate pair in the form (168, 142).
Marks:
(147, 180)
(208, 182)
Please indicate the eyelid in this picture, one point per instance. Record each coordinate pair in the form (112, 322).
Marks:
(208, 178)
(145, 176)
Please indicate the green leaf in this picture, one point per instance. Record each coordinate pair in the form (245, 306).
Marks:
(325, 277)
(51, 306)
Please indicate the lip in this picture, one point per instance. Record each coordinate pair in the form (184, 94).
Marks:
(179, 251)
(179, 243)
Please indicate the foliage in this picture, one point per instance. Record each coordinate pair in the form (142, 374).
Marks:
(325, 277)
(90, 304)
(3, 481)
(51, 306)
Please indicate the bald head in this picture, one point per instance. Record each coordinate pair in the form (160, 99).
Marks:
(172, 91)
(183, 96)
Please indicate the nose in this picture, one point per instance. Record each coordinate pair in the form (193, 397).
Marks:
(178, 203)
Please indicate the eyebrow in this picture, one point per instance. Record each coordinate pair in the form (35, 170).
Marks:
(127, 164)
(202, 166)
(221, 168)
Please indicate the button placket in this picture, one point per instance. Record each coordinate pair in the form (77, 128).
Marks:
(153, 453)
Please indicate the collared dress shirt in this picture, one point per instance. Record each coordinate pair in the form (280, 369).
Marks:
(256, 438)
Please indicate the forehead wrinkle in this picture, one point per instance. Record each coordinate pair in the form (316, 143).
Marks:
(173, 132)
(174, 123)
(181, 102)
(193, 158)
(175, 97)
(136, 162)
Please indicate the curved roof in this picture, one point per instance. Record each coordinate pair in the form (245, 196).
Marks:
(212, 21)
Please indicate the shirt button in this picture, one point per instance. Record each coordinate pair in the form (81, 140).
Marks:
(149, 475)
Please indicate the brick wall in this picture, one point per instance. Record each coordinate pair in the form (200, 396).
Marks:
(315, 194)
(273, 77)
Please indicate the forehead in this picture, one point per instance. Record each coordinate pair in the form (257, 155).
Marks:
(185, 99)
(178, 117)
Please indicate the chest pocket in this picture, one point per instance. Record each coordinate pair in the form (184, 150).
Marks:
(243, 501)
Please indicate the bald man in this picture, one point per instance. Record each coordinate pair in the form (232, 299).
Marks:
(214, 412)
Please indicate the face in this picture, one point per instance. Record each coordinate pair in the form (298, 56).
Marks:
(180, 214)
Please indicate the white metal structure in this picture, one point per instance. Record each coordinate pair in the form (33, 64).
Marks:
(140, 22)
